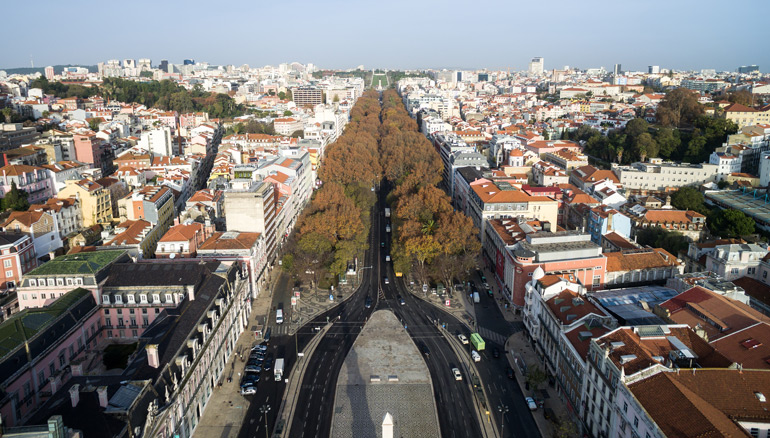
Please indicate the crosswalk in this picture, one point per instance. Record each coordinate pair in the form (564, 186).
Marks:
(279, 329)
(492, 336)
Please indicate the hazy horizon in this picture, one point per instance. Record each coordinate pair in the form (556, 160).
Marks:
(341, 34)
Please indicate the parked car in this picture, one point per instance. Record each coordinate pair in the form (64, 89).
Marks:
(259, 347)
(509, 371)
(382, 244)
(268, 363)
(457, 374)
(253, 368)
(463, 339)
(495, 353)
(531, 403)
(248, 390)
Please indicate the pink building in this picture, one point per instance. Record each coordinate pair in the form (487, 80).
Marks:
(88, 269)
(36, 181)
(43, 349)
(17, 257)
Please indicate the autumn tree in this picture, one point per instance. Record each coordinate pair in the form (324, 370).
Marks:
(680, 107)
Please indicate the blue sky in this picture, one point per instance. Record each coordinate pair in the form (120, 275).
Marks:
(679, 34)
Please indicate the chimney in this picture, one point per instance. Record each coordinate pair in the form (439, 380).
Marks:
(191, 292)
(75, 395)
(102, 393)
(387, 426)
(77, 369)
(152, 355)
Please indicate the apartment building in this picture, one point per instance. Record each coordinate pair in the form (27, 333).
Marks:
(17, 257)
(287, 125)
(604, 219)
(688, 222)
(640, 267)
(94, 200)
(307, 96)
(93, 150)
(742, 115)
(733, 261)
(629, 354)
(252, 209)
(249, 250)
(40, 225)
(659, 176)
(67, 213)
(36, 181)
(40, 348)
(567, 159)
(154, 204)
(182, 241)
(547, 174)
(138, 236)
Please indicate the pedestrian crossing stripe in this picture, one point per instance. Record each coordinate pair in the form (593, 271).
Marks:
(492, 336)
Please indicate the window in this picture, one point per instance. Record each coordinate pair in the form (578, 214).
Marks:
(734, 270)
(34, 282)
(7, 263)
(62, 361)
(60, 282)
(155, 298)
(69, 282)
(105, 299)
(131, 299)
(625, 407)
(118, 299)
(41, 379)
(72, 352)
(42, 296)
(143, 298)
(78, 281)
(755, 432)
(636, 422)
(169, 299)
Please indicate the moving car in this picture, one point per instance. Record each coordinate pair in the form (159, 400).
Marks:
(279, 316)
(382, 244)
(387, 258)
(476, 356)
(400, 299)
(531, 403)
(267, 364)
(463, 339)
(509, 371)
(425, 350)
(495, 353)
(368, 302)
(385, 280)
(457, 374)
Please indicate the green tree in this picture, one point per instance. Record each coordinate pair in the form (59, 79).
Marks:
(689, 198)
(668, 142)
(282, 95)
(94, 123)
(722, 184)
(15, 199)
(7, 114)
(536, 377)
(288, 113)
(730, 223)
(299, 133)
(657, 237)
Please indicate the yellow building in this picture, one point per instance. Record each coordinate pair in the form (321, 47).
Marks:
(745, 116)
(95, 203)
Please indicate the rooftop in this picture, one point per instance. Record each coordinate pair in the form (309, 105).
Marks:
(80, 263)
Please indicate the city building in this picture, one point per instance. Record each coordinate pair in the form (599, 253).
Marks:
(659, 176)
(13, 135)
(17, 256)
(95, 151)
(157, 142)
(154, 204)
(688, 222)
(138, 236)
(36, 181)
(94, 201)
(640, 267)
(536, 66)
(248, 249)
(307, 96)
(41, 348)
(39, 225)
(182, 241)
(67, 213)
(732, 261)
(253, 210)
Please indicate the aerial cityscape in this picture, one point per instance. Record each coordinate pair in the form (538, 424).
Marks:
(231, 225)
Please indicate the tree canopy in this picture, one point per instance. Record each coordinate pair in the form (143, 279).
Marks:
(730, 223)
(15, 199)
(679, 108)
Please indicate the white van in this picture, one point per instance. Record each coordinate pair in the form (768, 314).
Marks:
(279, 316)
(476, 356)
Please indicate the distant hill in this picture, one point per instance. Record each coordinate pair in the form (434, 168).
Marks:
(56, 68)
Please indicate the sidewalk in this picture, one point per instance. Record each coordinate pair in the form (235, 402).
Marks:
(226, 409)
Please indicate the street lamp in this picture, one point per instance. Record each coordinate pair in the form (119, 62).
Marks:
(503, 410)
(264, 409)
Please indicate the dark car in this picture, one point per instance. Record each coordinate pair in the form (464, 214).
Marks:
(267, 364)
(509, 371)
(490, 293)
(368, 302)
(382, 244)
(400, 299)
(425, 350)
(253, 368)
(495, 353)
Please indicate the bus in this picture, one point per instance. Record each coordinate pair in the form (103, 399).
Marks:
(477, 342)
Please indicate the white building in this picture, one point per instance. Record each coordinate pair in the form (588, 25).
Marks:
(158, 142)
(657, 175)
(727, 163)
(536, 66)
